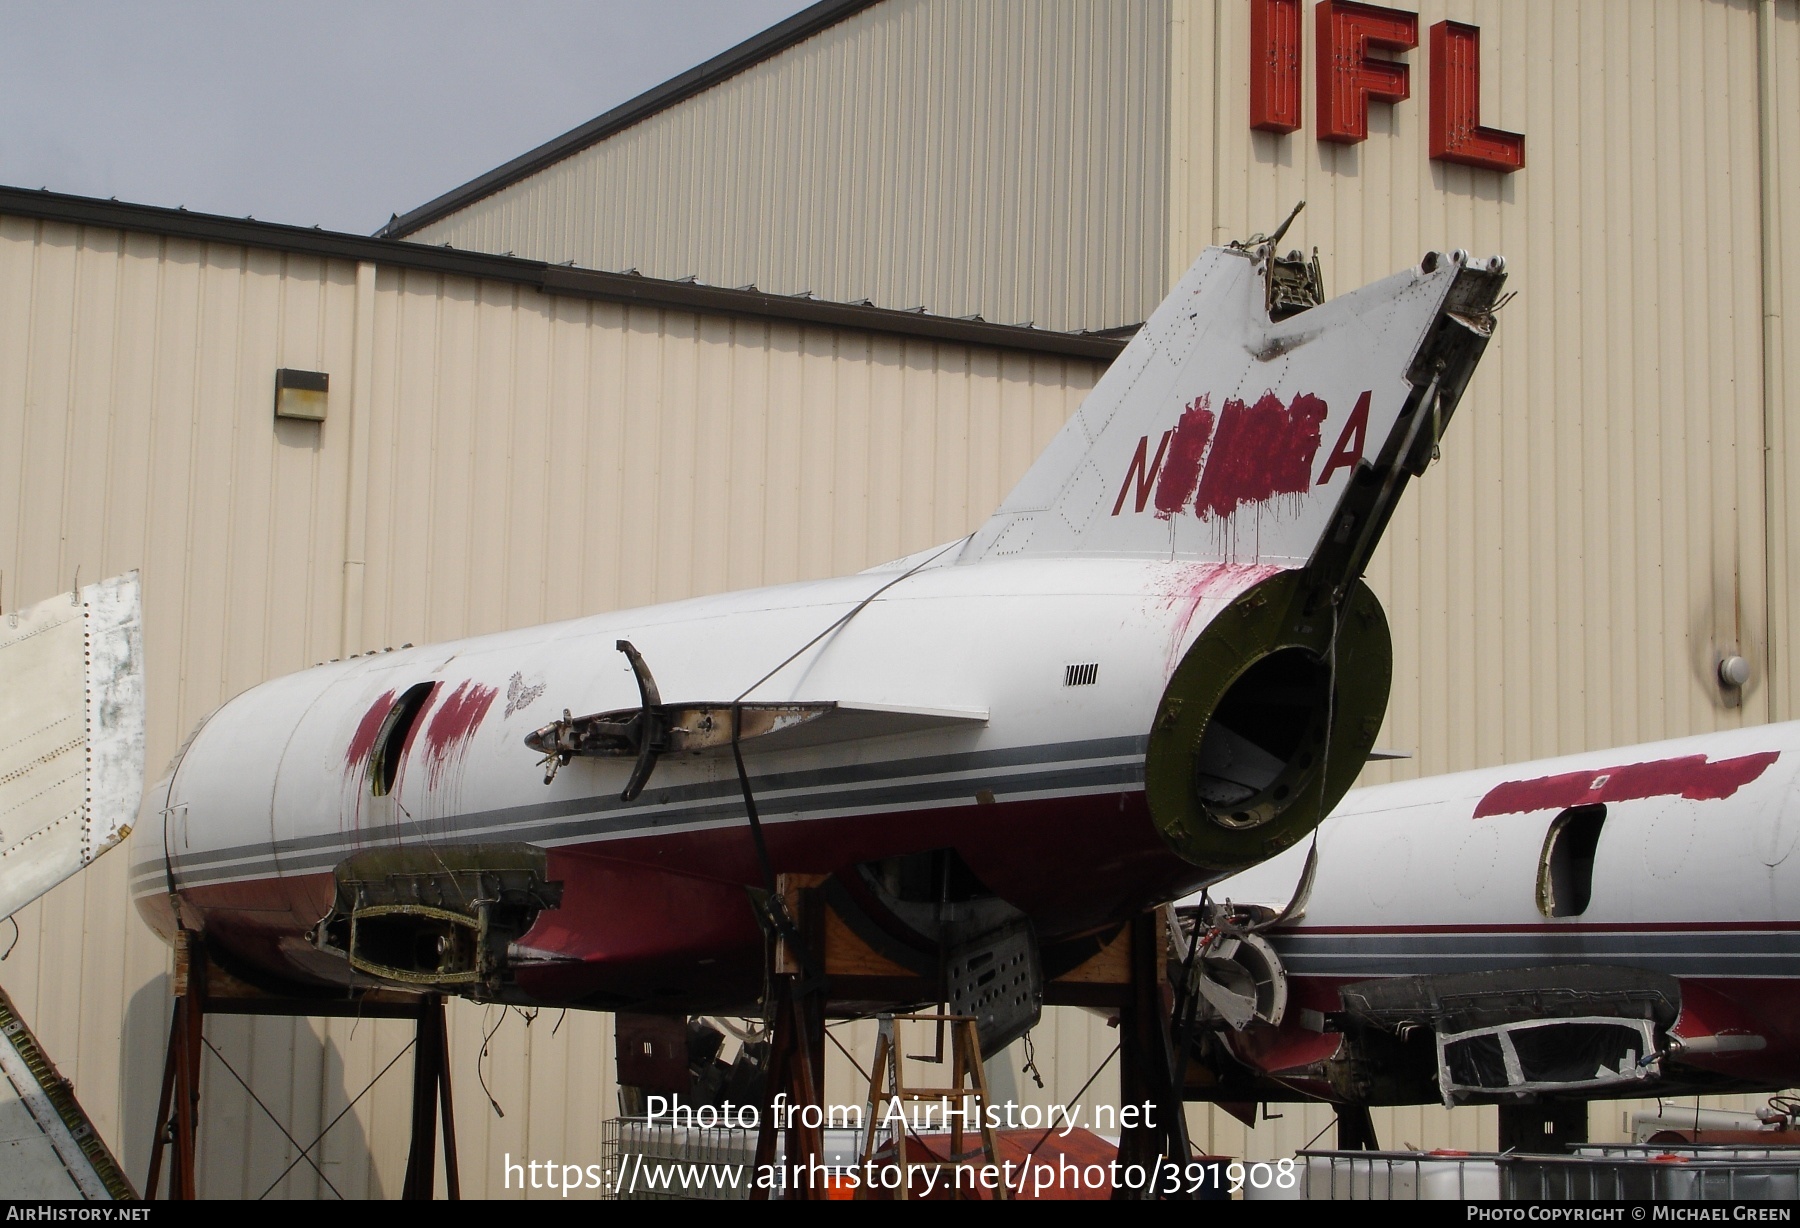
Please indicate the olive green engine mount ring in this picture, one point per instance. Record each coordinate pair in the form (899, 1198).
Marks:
(1311, 710)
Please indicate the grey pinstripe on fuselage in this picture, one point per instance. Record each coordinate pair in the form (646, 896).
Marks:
(1098, 766)
(1736, 951)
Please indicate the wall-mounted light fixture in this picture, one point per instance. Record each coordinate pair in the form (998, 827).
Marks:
(300, 394)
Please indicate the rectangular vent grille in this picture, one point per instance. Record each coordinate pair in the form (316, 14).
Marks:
(1081, 675)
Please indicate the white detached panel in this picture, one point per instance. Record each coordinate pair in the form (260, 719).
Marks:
(71, 734)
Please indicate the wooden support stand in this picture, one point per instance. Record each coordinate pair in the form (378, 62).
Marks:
(202, 989)
(181, 1076)
(840, 974)
(794, 1089)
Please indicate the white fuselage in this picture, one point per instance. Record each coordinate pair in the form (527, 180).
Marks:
(1694, 878)
(1416, 856)
(275, 786)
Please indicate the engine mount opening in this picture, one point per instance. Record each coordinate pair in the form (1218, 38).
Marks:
(1267, 735)
(1266, 722)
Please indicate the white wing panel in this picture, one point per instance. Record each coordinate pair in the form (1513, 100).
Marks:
(71, 734)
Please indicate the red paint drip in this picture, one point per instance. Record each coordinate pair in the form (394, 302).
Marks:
(1690, 776)
(1182, 470)
(1262, 450)
(363, 740)
(448, 732)
(1198, 582)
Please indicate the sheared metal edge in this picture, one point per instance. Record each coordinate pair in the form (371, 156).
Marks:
(50, 1099)
(115, 711)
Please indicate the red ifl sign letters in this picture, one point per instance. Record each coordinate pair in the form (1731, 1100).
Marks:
(1351, 74)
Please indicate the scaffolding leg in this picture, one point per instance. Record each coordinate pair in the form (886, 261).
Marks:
(877, 1103)
(178, 1104)
(192, 1010)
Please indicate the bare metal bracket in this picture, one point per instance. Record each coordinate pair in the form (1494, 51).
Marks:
(653, 729)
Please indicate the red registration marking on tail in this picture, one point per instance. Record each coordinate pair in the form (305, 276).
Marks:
(1262, 450)
(453, 724)
(1258, 451)
(1179, 475)
(1690, 776)
(363, 740)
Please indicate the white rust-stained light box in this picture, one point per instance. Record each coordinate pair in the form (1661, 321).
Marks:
(301, 394)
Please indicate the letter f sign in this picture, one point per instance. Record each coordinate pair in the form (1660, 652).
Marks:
(1348, 76)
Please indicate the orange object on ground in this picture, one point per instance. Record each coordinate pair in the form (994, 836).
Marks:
(1077, 1167)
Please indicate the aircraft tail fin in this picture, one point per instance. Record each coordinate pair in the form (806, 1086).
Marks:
(1223, 434)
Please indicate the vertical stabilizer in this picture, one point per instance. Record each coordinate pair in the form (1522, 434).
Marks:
(1222, 435)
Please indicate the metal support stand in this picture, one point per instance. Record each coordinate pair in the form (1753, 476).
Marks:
(431, 1095)
(1147, 1078)
(203, 989)
(832, 971)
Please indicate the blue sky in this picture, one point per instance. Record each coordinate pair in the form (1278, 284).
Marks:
(333, 113)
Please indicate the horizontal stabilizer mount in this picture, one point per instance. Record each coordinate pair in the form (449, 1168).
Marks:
(703, 728)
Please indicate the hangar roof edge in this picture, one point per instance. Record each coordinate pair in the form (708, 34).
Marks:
(555, 279)
(702, 77)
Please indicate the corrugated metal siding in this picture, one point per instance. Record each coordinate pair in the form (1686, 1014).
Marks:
(1595, 534)
(1780, 132)
(1005, 158)
(528, 458)
(136, 383)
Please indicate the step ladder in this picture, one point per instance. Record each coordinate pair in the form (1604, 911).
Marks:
(967, 1092)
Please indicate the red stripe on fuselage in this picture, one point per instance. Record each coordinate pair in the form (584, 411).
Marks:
(1622, 927)
(1689, 776)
